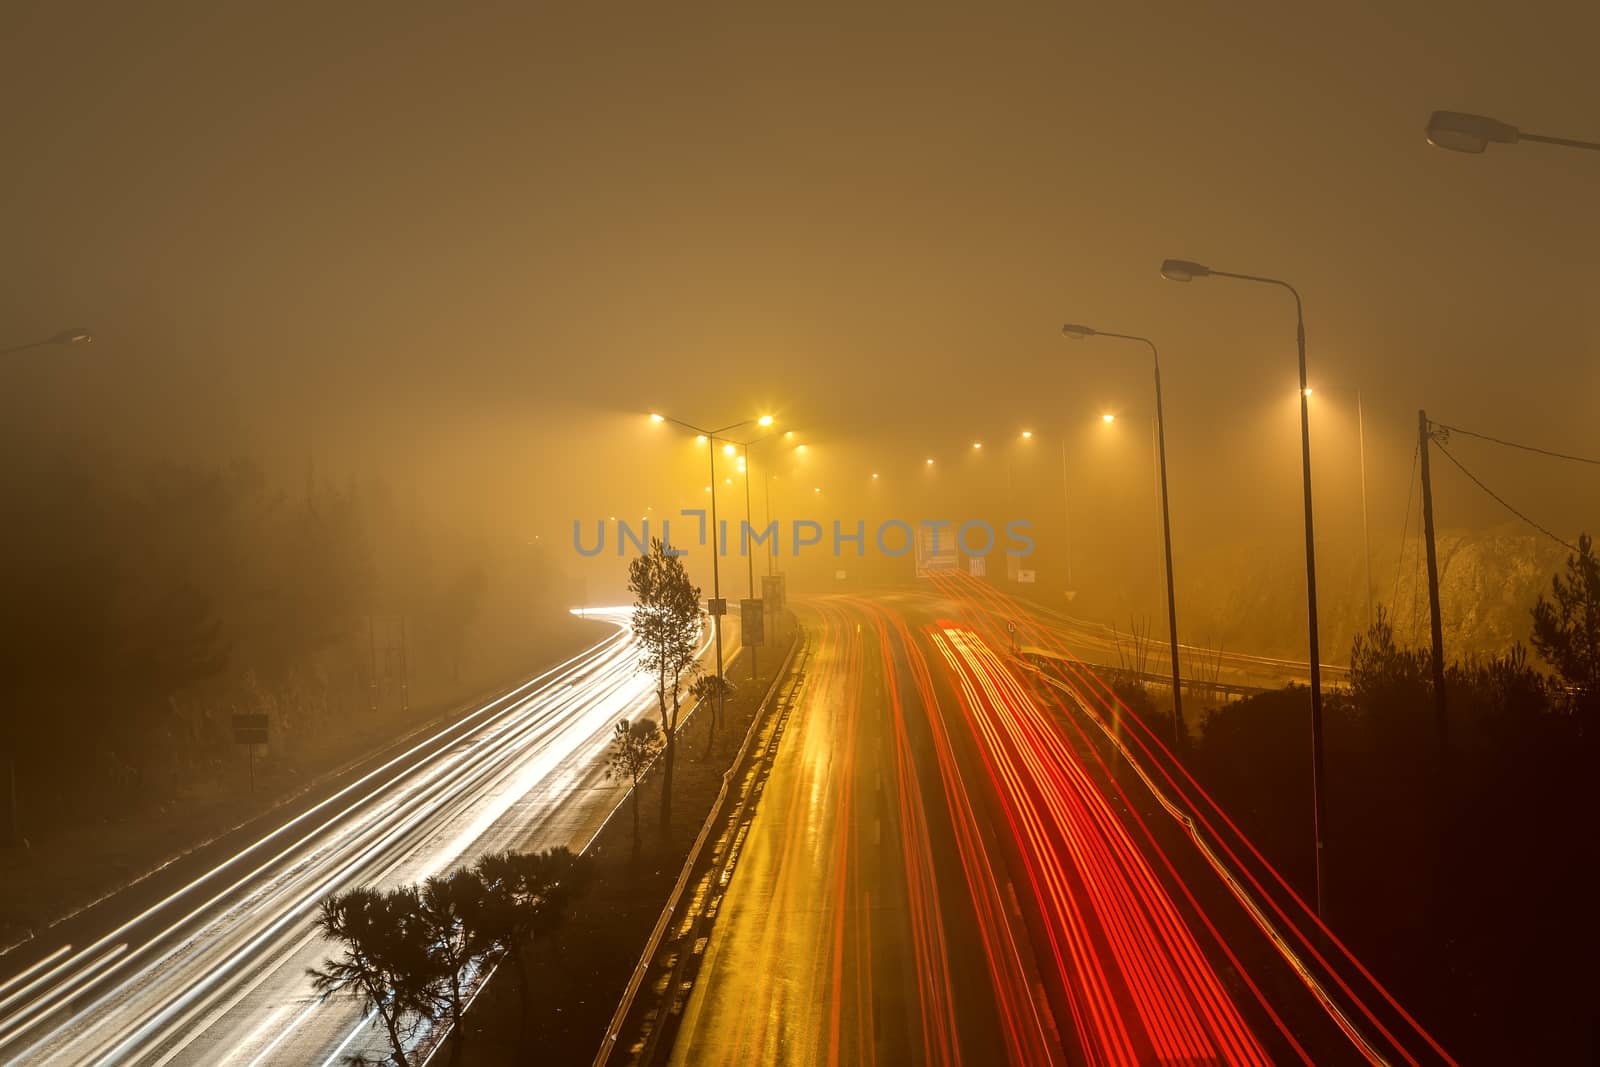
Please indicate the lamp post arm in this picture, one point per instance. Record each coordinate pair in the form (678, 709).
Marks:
(1564, 142)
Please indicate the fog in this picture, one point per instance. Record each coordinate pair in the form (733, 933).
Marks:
(461, 254)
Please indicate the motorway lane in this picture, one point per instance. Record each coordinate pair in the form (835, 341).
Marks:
(1098, 643)
(215, 973)
(937, 873)
(1317, 995)
(868, 920)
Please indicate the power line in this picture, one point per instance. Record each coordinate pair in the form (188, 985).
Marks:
(1514, 444)
(1499, 500)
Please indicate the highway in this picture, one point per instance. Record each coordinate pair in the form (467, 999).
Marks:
(214, 971)
(945, 868)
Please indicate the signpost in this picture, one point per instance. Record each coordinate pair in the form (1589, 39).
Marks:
(250, 731)
(751, 629)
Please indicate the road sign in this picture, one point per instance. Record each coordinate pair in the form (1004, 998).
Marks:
(932, 557)
(751, 630)
(772, 592)
(250, 729)
(717, 605)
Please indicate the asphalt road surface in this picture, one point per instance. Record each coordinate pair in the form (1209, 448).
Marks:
(213, 971)
(944, 869)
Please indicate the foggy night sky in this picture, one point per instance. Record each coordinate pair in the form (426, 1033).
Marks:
(477, 241)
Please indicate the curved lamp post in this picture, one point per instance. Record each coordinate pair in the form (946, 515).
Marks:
(1461, 132)
(1183, 270)
(1080, 333)
(76, 335)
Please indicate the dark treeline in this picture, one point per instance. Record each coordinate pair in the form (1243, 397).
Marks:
(145, 605)
(1456, 872)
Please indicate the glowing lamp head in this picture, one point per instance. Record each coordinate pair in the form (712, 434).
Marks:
(1027, 435)
(699, 438)
(977, 444)
(655, 417)
(765, 420)
(1108, 418)
(728, 450)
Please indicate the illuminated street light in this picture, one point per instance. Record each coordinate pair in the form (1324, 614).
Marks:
(930, 461)
(709, 437)
(700, 440)
(1180, 270)
(1460, 132)
(1078, 332)
(977, 444)
(765, 420)
(728, 450)
(1027, 435)
(874, 475)
(800, 448)
(76, 335)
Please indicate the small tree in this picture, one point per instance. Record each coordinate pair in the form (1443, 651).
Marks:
(525, 895)
(387, 960)
(666, 623)
(633, 746)
(711, 689)
(1566, 628)
(447, 905)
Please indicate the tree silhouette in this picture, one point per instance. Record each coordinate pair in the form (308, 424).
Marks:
(525, 896)
(387, 961)
(633, 746)
(716, 689)
(666, 623)
(1566, 628)
(447, 905)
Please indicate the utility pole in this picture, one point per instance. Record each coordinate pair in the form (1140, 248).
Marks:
(1066, 511)
(1366, 539)
(1436, 624)
(750, 561)
(405, 670)
(372, 652)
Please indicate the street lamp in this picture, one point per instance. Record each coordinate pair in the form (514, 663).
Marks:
(76, 335)
(1081, 333)
(744, 468)
(1460, 132)
(1182, 270)
(710, 437)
